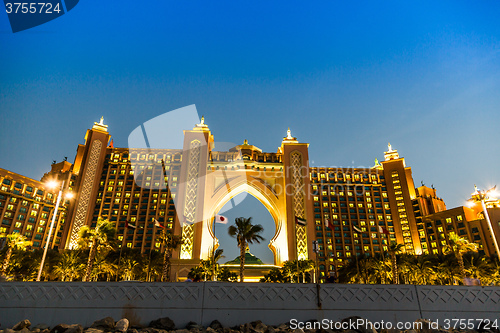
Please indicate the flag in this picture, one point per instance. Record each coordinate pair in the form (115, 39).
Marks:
(157, 224)
(300, 221)
(221, 219)
(357, 229)
(129, 225)
(328, 224)
(383, 230)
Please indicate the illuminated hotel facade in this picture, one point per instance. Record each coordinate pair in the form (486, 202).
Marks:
(349, 211)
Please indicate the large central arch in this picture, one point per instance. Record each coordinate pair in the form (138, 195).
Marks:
(209, 179)
(237, 183)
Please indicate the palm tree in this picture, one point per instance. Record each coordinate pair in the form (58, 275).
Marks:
(245, 233)
(153, 266)
(478, 267)
(305, 266)
(275, 275)
(494, 279)
(404, 267)
(170, 243)
(394, 249)
(226, 275)
(362, 267)
(378, 266)
(210, 267)
(130, 266)
(103, 265)
(298, 268)
(70, 266)
(196, 273)
(101, 237)
(13, 241)
(290, 269)
(24, 265)
(421, 269)
(448, 270)
(206, 268)
(459, 246)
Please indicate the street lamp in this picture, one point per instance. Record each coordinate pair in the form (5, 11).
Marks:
(481, 196)
(52, 184)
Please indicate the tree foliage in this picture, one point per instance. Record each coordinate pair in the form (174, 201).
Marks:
(245, 233)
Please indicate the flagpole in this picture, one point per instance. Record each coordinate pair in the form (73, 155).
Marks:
(150, 249)
(296, 246)
(381, 231)
(213, 253)
(383, 259)
(121, 249)
(356, 254)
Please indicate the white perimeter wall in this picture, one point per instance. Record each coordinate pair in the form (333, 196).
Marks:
(237, 303)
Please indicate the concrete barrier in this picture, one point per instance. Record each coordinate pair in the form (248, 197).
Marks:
(236, 303)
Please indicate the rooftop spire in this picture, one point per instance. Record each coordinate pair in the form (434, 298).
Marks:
(289, 137)
(391, 154)
(100, 125)
(201, 126)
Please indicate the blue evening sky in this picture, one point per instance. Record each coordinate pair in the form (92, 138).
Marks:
(346, 76)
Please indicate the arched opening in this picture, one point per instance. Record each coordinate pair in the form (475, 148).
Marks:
(247, 206)
(229, 195)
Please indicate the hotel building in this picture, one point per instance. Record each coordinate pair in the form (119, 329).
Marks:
(349, 211)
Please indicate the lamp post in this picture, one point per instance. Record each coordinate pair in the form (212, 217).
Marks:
(481, 196)
(50, 231)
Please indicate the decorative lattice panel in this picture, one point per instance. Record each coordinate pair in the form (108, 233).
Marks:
(191, 199)
(85, 194)
(299, 204)
(435, 297)
(355, 297)
(187, 242)
(260, 296)
(90, 293)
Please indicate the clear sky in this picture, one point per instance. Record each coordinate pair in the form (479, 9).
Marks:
(346, 76)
